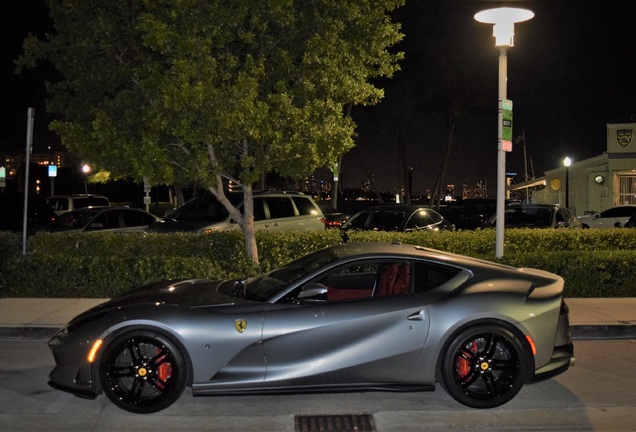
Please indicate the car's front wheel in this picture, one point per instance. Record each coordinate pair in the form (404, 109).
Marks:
(484, 366)
(142, 371)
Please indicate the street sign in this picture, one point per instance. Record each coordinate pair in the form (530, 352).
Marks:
(3, 173)
(52, 170)
(506, 124)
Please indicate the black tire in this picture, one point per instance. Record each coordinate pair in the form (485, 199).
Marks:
(142, 371)
(484, 366)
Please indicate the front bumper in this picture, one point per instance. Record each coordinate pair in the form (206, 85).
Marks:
(72, 372)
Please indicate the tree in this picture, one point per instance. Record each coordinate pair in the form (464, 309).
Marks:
(190, 91)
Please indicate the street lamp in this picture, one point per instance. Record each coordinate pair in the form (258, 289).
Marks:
(567, 162)
(86, 169)
(504, 20)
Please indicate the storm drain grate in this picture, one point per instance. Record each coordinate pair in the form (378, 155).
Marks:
(334, 423)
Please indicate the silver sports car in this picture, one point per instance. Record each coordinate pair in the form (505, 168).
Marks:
(357, 316)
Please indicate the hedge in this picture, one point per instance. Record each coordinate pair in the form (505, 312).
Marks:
(594, 263)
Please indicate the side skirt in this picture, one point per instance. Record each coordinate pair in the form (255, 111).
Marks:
(204, 390)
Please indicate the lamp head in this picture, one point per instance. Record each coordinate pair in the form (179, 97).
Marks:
(567, 161)
(504, 19)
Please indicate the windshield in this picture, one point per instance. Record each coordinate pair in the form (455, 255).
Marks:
(265, 286)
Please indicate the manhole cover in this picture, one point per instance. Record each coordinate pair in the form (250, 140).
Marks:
(334, 423)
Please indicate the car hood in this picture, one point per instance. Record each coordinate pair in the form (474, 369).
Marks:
(182, 292)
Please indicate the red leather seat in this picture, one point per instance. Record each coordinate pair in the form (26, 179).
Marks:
(395, 280)
(387, 279)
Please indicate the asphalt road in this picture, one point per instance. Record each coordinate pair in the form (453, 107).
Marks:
(597, 394)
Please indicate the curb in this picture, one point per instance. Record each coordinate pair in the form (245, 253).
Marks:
(27, 332)
(607, 331)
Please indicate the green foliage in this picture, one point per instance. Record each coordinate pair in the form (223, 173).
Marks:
(186, 90)
(190, 91)
(607, 273)
(594, 263)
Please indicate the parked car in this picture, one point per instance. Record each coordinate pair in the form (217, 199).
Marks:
(274, 211)
(614, 217)
(357, 316)
(631, 222)
(332, 217)
(527, 215)
(397, 217)
(106, 219)
(64, 203)
(39, 215)
(471, 213)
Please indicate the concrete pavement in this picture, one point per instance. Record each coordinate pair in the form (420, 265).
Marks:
(590, 318)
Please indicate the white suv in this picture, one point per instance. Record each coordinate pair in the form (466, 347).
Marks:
(63, 203)
(273, 211)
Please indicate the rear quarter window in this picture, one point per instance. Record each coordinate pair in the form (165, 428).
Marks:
(305, 206)
(429, 276)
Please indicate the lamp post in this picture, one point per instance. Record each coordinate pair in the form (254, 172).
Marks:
(504, 20)
(566, 163)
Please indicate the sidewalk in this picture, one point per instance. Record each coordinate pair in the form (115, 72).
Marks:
(590, 318)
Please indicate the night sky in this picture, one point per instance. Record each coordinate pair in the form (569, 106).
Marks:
(570, 73)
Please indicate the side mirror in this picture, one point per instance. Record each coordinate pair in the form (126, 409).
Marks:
(313, 291)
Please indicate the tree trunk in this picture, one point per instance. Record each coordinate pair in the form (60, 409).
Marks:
(247, 224)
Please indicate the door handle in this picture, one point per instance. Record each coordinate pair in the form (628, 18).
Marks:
(417, 316)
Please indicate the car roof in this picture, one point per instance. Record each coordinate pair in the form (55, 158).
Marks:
(97, 209)
(77, 196)
(532, 205)
(356, 249)
(394, 207)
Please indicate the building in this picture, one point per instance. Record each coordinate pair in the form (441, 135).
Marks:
(593, 184)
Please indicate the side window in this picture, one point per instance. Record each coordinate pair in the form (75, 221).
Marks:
(428, 276)
(259, 211)
(367, 280)
(386, 221)
(133, 219)
(203, 208)
(358, 221)
(107, 220)
(59, 204)
(280, 207)
(305, 206)
(564, 215)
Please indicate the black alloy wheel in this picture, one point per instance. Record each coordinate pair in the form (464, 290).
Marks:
(142, 372)
(484, 367)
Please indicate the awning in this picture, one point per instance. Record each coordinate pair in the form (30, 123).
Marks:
(528, 184)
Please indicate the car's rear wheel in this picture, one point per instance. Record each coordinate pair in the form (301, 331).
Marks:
(142, 371)
(484, 366)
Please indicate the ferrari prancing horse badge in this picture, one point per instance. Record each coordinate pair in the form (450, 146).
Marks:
(240, 325)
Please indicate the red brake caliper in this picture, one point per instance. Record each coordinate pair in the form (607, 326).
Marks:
(164, 371)
(463, 365)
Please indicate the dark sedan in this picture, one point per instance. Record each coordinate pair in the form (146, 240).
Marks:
(107, 219)
(352, 317)
(397, 217)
